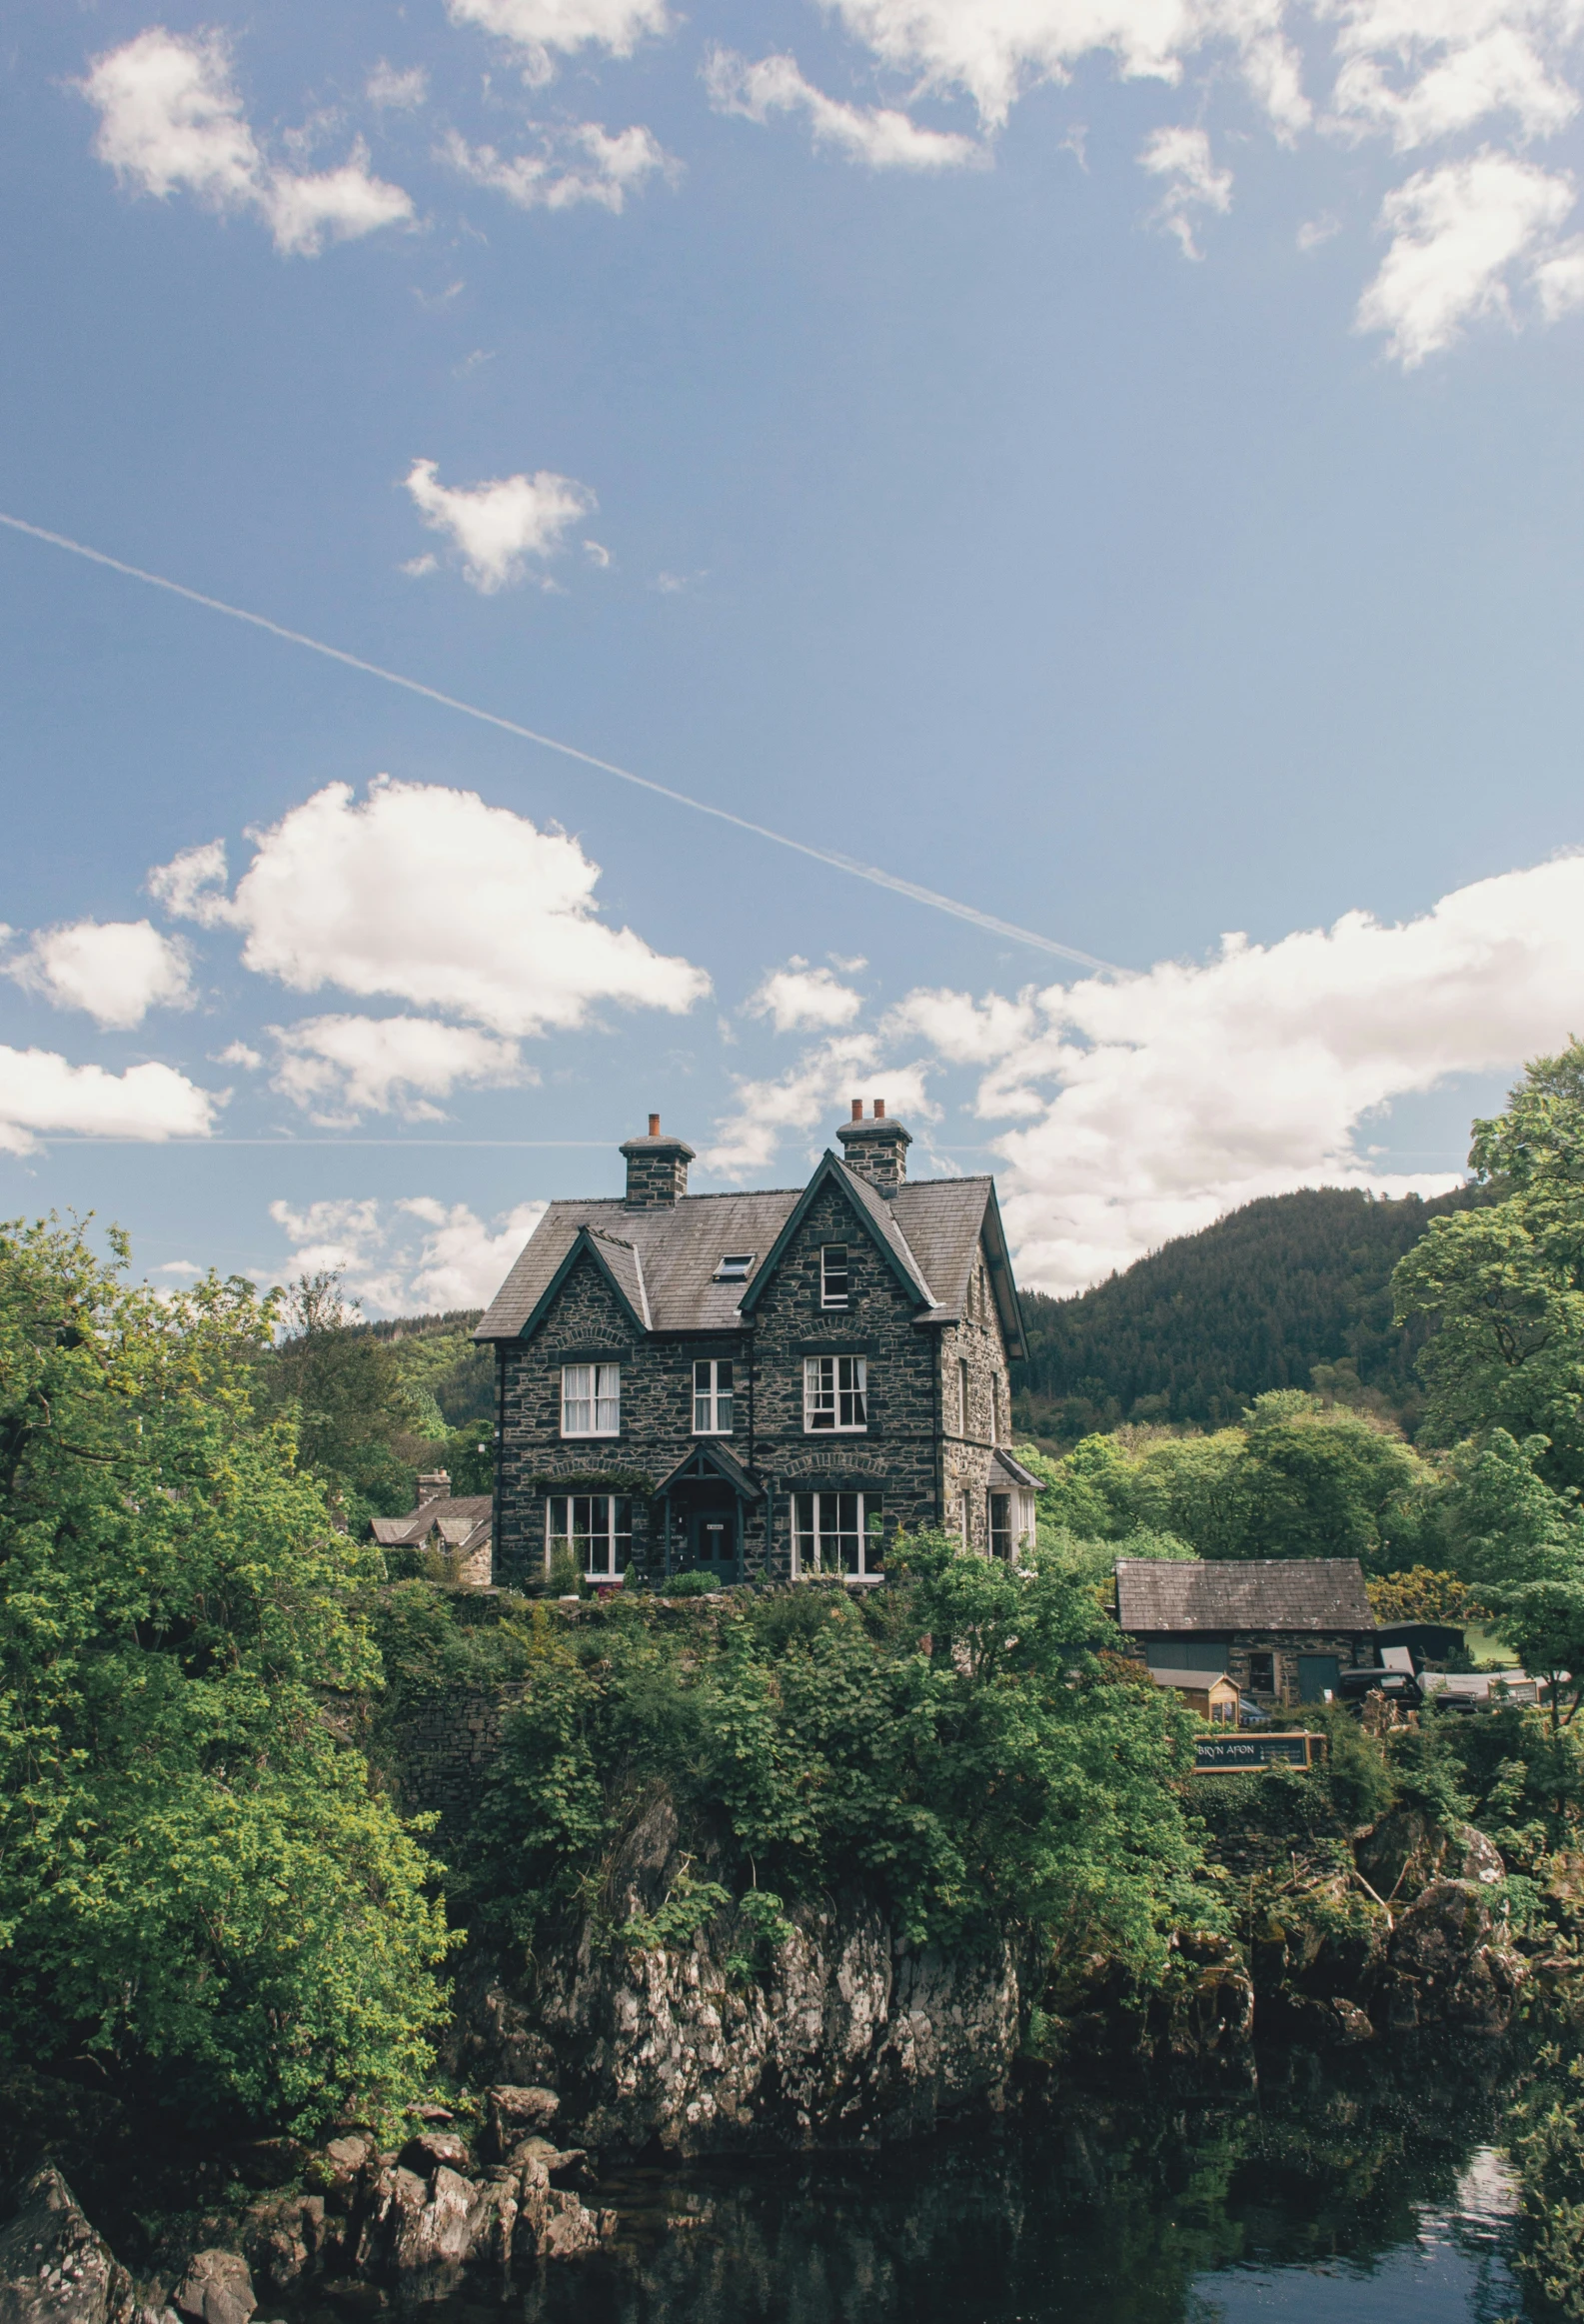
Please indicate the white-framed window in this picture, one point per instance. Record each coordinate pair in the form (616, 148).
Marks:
(595, 1526)
(963, 1395)
(836, 1276)
(711, 1398)
(836, 1392)
(591, 1399)
(965, 1520)
(837, 1533)
(1002, 1541)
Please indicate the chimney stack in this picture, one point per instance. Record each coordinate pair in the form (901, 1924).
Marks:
(875, 1149)
(657, 1170)
(436, 1486)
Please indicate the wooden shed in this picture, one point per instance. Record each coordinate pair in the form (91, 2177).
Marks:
(1214, 1698)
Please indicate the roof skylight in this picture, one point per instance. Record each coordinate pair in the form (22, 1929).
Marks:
(734, 1270)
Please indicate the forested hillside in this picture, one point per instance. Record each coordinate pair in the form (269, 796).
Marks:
(1256, 1302)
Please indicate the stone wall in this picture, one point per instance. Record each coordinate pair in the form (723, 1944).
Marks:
(440, 1748)
(896, 1454)
(977, 1342)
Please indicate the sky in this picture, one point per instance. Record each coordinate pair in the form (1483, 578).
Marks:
(1069, 510)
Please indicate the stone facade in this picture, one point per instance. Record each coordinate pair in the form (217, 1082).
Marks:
(611, 1290)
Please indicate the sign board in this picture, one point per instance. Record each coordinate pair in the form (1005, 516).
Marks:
(1243, 1754)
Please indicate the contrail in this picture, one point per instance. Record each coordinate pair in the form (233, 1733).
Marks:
(489, 717)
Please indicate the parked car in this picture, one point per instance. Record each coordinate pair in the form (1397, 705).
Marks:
(1250, 1713)
(1399, 1686)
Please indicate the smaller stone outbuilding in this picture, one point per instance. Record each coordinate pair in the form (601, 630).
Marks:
(459, 1525)
(1282, 1630)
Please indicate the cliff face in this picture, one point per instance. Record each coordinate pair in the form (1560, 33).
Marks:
(852, 2039)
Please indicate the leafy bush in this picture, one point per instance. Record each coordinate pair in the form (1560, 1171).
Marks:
(949, 1744)
(197, 1883)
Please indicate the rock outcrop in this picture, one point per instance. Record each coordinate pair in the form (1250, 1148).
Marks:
(54, 2269)
(846, 2037)
(1448, 1962)
(852, 2039)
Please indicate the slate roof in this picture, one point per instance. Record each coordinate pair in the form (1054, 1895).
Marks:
(1252, 1594)
(666, 1258)
(463, 1518)
(1012, 1471)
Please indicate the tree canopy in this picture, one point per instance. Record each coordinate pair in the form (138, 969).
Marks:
(198, 1884)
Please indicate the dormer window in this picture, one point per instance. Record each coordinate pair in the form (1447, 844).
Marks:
(836, 1279)
(734, 1270)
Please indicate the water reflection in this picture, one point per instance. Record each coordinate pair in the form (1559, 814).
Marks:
(1363, 2193)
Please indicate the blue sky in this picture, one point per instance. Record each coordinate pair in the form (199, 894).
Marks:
(1115, 464)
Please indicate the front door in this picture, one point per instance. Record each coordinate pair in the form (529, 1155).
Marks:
(711, 1543)
(1316, 1673)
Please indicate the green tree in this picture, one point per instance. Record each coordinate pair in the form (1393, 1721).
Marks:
(951, 1748)
(1521, 1544)
(198, 1886)
(344, 1389)
(1505, 1284)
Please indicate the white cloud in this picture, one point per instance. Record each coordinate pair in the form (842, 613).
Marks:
(1183, 158)
(1153, 1104)
(992, 54)
(340, 1067)
(192, 886)
(237, 1053)
(461, 1263)
(116, 969)
(337, 205)
(1315, 231)
(813, 1091)
(877, 135)
(540, 27)
(170, 118)
(431, 897)
(342, 1237)
(184, 1267)
(799, 995)
(1458, 233)
(40, 1092)
(582, 162)
(1420, 70)
(454, 1259)
(495, 527)
(395, 90)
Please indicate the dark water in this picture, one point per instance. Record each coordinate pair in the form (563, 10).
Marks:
(1370, 2193)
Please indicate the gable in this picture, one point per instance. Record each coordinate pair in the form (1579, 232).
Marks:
(835, 1186)
(586, 1298)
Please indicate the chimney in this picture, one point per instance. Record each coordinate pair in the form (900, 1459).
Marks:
(657, 1170)
(876, 1150)
(434, 1488)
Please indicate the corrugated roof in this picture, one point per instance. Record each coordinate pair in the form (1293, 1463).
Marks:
(1253, 1593)
(932, 1228)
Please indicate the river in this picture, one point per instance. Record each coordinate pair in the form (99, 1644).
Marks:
(1369, 2191)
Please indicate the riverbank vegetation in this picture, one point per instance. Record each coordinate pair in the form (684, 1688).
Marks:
(211, 1902)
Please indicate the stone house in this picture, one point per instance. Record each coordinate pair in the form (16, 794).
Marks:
(1280, 1628)
(757, 1386)
(460, 1523)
